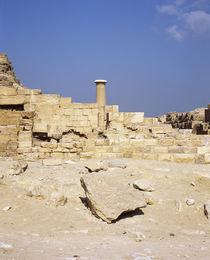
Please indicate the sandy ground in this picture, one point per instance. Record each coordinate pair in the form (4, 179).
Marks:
(35, 229)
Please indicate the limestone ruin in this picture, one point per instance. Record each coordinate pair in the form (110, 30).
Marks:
(38, 126)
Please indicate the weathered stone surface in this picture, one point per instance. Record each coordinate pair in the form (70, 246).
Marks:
(107, 199)
(113, 163)
(95, 166)
(143, 184)
(52, 162)
(18, 167)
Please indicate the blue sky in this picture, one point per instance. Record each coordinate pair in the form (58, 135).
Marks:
(155, 54)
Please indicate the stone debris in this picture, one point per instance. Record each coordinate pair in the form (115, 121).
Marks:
(193, 184)
(1, 176)
(108, 198)
(207, 209)
(95, 166)
(5, 246)
(18, 167)
(139, 236)
(6, 208)
(143, 184)
(149, 198)
(57, 199)
(190, 202)
(51, 195)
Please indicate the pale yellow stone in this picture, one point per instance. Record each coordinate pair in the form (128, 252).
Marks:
(13, 100)
(207, 158)
(57, 155)
(25, 144)
(8, 91)
(26, 91)
(203, 149)
(185, 158)
(160, 149)
(165, 157)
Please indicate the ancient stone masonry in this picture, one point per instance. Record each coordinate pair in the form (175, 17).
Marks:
(198, 120)
(37, 126)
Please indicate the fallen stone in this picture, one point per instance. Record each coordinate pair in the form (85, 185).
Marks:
(108, 199)
(139, 236)
(52, 162)
(4, 245)
(111, 163)
(207, 209)
(18, 167)
(57, 199)
(143, 184)
(148, 197)
(1, 176)
(6, 208)
(190, 202)
(95, 166)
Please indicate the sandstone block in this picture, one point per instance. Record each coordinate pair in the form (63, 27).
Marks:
(165, 157)
(8, 91)
(184, 158)
(203, 149)
(13, 100)
(26, 91)
(207, 158)
(160, 149)
(107, 199)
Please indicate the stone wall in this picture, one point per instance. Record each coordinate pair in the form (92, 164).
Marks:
(37, 126)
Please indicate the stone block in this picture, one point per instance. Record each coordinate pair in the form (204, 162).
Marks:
(25, 136)
(134, 118)
(23, 150)
(176, 149)
(150, 120)
(165, 157)
(207, 158)
(13, 100)
(160, 149)
(203, 150)
(150, 156)
(167, 141)
(65, 100)
(184, 158)
(57, 155)
(26, 91)
(51, 99)
(3, 145)
(49, 145)
(8, 91)
(161, 130)
(4, 137)
(25, 144)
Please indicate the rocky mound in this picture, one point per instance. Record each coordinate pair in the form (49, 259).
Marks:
(7, 75)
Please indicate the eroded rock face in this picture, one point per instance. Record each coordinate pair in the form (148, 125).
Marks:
(108, 198)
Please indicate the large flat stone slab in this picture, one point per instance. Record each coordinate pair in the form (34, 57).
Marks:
(108, 198)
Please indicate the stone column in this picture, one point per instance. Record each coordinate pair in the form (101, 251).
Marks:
(101, 92)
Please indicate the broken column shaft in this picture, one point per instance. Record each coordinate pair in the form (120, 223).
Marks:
(101, 92)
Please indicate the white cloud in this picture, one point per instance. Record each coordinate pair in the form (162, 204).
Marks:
(197, 21)
(175, 33)
(167, 9)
